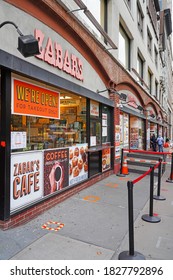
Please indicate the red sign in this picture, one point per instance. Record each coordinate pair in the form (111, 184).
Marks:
(53, 54)
(31, 100)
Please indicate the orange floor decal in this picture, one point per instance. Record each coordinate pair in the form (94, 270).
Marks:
(112, 185)
(92, 198)
(124, 179)
(51, 223)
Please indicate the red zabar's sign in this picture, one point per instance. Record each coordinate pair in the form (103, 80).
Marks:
(53, 53)
(32, 100)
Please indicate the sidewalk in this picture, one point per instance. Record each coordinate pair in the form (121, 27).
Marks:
(96, 225)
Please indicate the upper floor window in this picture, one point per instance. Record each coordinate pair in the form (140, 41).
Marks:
(140, 66)
(149, 41)
(98, 8)
(156, 56)
(150, 80)
(140, 17)
(129, 3)
(124, 48)
(156, 89)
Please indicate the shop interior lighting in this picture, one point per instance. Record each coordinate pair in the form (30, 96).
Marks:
(27, 44)
(65, 97)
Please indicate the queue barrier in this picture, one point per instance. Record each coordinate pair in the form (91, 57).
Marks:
(125, 159)
(132, 254)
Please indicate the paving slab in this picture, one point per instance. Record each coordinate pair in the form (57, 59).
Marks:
(56, 247)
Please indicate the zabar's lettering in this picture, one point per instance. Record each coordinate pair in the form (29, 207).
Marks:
(26, 167)
(53, 54)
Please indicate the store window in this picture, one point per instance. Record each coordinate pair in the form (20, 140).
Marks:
(37, 133)
(137, 133)
(95, 124)
(106, 124)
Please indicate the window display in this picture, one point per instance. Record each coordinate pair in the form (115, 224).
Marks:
(44, 133)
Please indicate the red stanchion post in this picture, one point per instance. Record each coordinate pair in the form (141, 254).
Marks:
(158, 196)
(170, 179)
(149, 217)
(131, 254)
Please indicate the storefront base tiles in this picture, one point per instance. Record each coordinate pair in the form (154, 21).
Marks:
(33, 212)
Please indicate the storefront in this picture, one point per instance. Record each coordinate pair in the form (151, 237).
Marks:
(155, 125)
(57, 139)
(55, 129)
(132, 123)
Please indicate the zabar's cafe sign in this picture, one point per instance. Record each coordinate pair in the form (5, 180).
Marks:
(32, 100)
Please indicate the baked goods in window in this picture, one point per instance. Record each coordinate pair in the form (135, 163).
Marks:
(86, 166)
(82, 150)
(71, 154)
(75, 171)
(74, 161)
(70, 169)
(80, 163)
(76, 151)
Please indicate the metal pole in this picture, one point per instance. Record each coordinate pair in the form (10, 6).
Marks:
(151, 190)
(121, 167)
(131, 224)
(170, 179)
(122, 158)
(149, 217)
(158, 196)
(159, 176)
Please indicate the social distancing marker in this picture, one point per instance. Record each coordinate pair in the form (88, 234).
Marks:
(92, 198)
(49, 225)
(112, 185)
(124, 179)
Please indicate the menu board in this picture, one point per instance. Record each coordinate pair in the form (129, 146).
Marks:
(18, 140)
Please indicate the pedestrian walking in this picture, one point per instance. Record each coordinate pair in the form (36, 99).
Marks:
(160, 142)
(153, 142)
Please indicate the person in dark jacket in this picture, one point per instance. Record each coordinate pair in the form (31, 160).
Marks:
(153, 142)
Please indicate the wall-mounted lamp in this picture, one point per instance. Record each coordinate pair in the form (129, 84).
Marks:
(122, 96)
(138, 107)
(27, 44)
